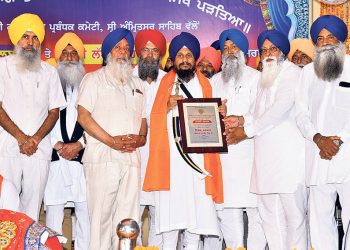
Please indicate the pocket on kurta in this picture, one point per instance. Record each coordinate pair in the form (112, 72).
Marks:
(342, 98)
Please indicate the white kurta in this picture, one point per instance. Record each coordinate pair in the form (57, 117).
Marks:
(279, 146)
(238, 162)
(66, 181)
(324, 107)
(26, 97)
(147, 198)
(186, 205)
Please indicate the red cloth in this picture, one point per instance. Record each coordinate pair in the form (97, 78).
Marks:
(16, 228)
(212, 55)
(154, 36)
(158, 168)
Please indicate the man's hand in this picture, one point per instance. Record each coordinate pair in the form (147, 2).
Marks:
(223, 108)
(172, 101)
(235, 135)
(124, 143)
(70, 151)
(326, 144)
(233, 121)
(30, 145)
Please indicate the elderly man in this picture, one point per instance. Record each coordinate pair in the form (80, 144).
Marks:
(209, 61)
(30, 98)
(279, 162)
(150, 46)
(323, 117)
(237, 84)
(66, 181)
(111, 110)
(301, 52)
(183, 196)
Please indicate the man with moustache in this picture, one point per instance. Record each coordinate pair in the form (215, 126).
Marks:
(301, 52)
(237, 84)
(323, 113)
(209, 61)
(30, 98)
(150, 46)
(66, 181)
(184, 197)
(111, 111)
(278, 175)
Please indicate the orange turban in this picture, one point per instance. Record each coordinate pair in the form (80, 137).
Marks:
(154, 36)
(22, 24)
(72, 39)
(212, 55)
(302, 44)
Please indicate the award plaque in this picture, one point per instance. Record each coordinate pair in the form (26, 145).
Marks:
(201, 125)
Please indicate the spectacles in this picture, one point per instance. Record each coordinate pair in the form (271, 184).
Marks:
(327, 39)
(270, 50)
(154, 51)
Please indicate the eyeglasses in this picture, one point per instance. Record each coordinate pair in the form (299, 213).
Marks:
(328, 39)
(154, 51)
(270, 50)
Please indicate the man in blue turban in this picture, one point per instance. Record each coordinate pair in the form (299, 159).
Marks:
(237, 83)
(323, 117)
(279, 162)
(183, 197)
(111, 111)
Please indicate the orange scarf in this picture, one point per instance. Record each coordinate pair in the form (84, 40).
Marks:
(158, 168)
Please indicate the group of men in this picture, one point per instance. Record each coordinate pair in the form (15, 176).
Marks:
(109, 141)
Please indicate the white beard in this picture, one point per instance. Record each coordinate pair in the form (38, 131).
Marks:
(27, 60)
(329, 61)
(71, 74)
(120, 69)
(232, 66)
(271, 70)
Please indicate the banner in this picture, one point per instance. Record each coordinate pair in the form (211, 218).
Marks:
(206, 19)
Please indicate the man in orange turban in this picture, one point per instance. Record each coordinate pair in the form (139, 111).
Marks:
(209, 61)
(301, 52)
(30, 99)
(150, 46)
(66, 182)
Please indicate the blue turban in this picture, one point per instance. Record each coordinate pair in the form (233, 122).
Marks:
(276, 37)
(216, 45)
(333, 24)
(115, 37)
(184, 39)
(237, 37)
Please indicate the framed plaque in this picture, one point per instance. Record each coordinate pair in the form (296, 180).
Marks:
(201, 125)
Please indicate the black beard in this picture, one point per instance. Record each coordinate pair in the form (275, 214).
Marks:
(208, 74)
(185, 74)
(329, 62)
(148, 67)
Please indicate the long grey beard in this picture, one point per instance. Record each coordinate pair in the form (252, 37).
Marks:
(271, 70)
(120, 69)
(232, 66)
(28, 60)
(71, 74)
(148, 67)
(329, 61)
